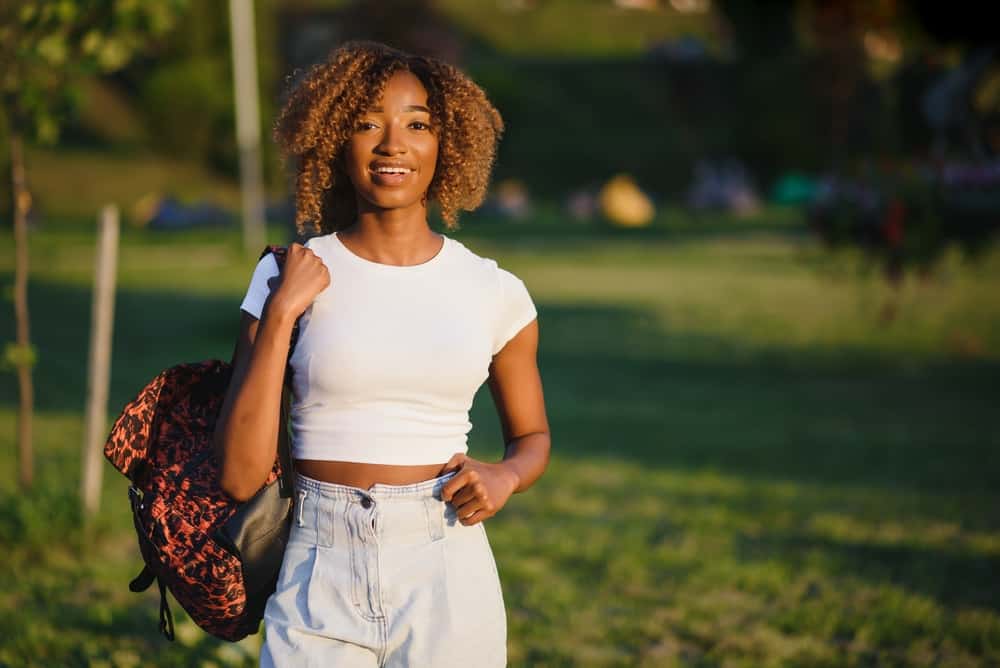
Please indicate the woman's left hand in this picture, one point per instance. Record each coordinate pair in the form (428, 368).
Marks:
(479, 489)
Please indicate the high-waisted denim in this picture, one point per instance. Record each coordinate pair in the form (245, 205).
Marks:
(384, 577)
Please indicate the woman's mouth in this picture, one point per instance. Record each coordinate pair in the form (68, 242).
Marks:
(390, 176)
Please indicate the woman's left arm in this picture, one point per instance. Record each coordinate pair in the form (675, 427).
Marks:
(480, 489)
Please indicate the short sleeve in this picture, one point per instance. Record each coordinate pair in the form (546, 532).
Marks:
(515, 310)
(258, 292)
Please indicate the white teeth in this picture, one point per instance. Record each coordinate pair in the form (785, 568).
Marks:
(392, 170)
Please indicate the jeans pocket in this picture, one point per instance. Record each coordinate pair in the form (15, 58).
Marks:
(435, 511)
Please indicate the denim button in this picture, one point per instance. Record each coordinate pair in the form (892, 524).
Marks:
(366, 502)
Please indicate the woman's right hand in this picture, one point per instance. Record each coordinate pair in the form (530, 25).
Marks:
(302, 279)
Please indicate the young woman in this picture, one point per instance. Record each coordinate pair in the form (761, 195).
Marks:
(388, 563)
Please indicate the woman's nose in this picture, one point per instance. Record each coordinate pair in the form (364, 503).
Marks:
(392, 141)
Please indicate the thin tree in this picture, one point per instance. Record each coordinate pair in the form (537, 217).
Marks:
(44, 48)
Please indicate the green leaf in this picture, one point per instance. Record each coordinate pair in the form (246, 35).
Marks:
(46, 129)
(91, 42)
(27, 13)
(52, 48)
(113, 55)
(125, 6)
(16, 356)
(67, 11)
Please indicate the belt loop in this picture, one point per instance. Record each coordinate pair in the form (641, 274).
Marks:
(302, 503)
(434, 508)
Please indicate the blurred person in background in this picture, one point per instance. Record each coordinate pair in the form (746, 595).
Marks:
(388, 563)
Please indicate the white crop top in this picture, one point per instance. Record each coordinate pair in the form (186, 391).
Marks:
(389, 357)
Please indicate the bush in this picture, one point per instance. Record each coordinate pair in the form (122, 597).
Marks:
(189, 105)
(570, 123)
(908, 215)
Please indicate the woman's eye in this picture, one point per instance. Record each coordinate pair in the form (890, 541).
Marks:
(420, 125)
(365, 125)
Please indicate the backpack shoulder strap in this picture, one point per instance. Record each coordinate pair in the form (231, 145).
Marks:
(280, 253)
(284, 447)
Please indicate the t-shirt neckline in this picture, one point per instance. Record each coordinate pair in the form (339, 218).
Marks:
(393, 268)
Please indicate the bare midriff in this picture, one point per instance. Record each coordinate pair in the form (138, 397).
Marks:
(356, 474)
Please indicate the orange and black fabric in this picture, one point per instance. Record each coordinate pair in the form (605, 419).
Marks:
(218, 557)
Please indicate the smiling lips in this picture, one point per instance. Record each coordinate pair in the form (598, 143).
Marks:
(390, 174)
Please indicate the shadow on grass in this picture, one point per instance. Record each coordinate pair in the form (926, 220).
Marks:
(619, 385)
(151, 332)
(953, 578)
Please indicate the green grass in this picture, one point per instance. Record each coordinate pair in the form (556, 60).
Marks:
(67, 182)
(753, 464)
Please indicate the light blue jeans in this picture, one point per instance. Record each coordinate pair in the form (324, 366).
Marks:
(384, 577)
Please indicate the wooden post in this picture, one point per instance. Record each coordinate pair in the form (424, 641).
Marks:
(26, 408)
(244, 52)
(99, 371)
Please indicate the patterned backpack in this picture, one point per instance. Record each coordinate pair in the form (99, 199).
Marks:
(219, 558)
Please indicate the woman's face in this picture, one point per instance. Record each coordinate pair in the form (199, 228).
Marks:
(391, 156)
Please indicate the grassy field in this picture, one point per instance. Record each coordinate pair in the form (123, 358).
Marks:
(753, 465)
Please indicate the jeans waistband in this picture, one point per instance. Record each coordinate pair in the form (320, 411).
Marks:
(417, 490)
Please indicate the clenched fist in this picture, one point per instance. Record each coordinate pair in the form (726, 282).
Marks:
(304, 276)
(479, 489)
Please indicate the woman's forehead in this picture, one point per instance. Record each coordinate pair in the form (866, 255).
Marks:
(403, 89)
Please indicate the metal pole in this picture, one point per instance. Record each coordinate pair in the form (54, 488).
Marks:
(247, 122)
(99, 372)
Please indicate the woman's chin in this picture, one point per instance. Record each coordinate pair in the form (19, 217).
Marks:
(393, 201)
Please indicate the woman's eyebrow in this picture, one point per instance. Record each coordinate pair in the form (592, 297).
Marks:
(409, 107)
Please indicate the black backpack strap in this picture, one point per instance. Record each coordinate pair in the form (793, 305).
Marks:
(142, 581)
(280, 255)
(166, 617)
(284, 446)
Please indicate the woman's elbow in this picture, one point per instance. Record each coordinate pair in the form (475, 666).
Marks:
(235, 487)
(230, 481)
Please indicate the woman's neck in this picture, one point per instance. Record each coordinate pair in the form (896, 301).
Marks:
(395, 237)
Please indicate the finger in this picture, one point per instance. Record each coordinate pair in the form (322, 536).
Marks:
(455, 461)
(469, 477)
(466, 510)
(451, 487)
(480, 503)
(475, 518)
(463, 496)
(471, 491)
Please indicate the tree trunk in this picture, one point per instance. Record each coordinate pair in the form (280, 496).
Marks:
(22, 202)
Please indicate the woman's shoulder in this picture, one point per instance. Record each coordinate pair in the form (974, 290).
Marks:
(490, 269)
(481, 265)
(319, 242)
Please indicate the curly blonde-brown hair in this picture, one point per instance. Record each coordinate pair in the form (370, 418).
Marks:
(321, 113)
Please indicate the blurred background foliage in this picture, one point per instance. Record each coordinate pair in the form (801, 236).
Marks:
(588, 88)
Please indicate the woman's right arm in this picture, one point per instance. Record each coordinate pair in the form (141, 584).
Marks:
(246, 433)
